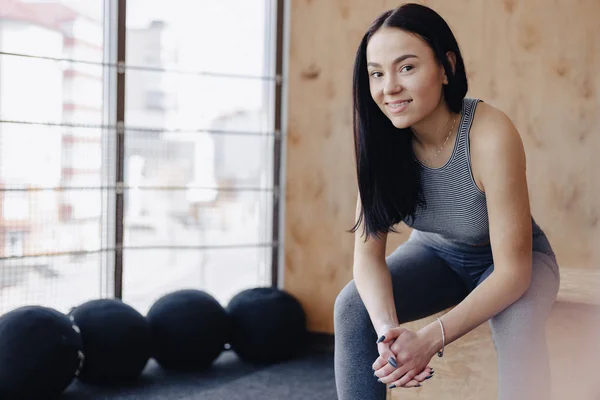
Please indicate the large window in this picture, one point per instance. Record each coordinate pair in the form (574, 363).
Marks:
(187, 149)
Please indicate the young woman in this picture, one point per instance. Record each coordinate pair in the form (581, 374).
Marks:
(452, 168)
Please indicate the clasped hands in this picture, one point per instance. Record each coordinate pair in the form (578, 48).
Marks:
(403, 358)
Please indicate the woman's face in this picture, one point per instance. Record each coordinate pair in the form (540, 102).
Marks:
(405, 79)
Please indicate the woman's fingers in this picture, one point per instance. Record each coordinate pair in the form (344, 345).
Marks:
(390, 334)
(424, 375)
(385, 364)
(410, 384)
(397, 378)
(383, 368)
(389, 375)
(415, 381)
(408, 377)
(379, 363)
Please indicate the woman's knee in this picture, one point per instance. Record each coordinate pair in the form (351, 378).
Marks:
(349, 307)
(526, 317)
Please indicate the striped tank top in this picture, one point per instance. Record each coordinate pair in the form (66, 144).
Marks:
(455, 207)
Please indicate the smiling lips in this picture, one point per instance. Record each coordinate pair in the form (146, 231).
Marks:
(398, 106)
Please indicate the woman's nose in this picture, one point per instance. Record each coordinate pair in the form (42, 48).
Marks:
(391, 86)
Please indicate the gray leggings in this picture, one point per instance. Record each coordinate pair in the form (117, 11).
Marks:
(429, 275)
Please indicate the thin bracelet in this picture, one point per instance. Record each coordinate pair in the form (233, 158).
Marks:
(441, 352)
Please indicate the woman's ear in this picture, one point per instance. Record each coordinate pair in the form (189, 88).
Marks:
(452, 60)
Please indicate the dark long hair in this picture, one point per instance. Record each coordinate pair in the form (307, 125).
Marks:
(387, 172)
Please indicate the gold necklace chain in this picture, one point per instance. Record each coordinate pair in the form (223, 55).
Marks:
(447, 137)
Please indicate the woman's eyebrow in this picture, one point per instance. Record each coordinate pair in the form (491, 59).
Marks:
(396, 61)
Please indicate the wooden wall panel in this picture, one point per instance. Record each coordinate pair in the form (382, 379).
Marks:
(521, 56)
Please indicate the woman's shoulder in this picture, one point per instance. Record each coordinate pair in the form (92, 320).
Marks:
(494, 143)
(490, 127)
(489, 116)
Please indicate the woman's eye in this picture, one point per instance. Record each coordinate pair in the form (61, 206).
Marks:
(406, 68)
(376, 74)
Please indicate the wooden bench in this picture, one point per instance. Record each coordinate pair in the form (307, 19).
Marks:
(468, 371)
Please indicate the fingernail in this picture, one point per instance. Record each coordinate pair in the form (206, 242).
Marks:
(381, 339)
(391, 386)
(419, 385)
(375, 375)
(430, 376)
(392, 361)
(432, 371)
(379, 380)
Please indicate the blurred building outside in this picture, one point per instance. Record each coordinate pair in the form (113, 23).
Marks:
(181, 167)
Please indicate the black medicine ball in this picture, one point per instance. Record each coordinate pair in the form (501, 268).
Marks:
(40, 352)
(117, 342)
(268, 325)
(189, 329)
